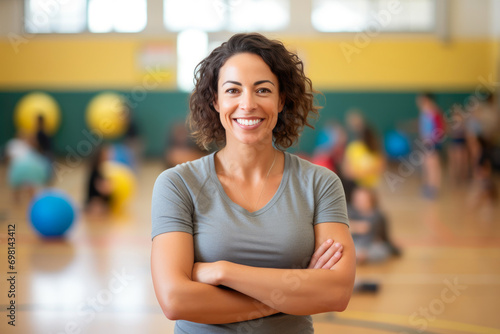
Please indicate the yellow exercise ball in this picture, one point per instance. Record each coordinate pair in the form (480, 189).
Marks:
(366, 166)
(32, 105)
(107, 114)
(122, 181)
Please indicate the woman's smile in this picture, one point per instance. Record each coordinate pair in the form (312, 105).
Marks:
(248, 123)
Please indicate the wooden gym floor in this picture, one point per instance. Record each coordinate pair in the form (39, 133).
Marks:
(98, 279)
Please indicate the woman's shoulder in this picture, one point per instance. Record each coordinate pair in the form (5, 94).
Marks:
(188, 172)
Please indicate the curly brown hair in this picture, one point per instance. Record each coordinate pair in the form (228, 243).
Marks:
(294, 86)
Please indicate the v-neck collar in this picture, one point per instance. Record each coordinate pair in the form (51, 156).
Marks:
(277, 194)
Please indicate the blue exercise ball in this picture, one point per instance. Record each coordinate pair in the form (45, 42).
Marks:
(29, 169)
(396, 144)
(122, 154)
(327, 138)
(52, 213)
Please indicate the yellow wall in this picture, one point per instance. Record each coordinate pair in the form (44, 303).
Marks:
(67, 63)
(496, 63)
(396, 64)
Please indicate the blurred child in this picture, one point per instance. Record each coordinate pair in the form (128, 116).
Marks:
(330, 146)
(432, 132)
(43, 141)
(364, 161)
(132, 138)
(458, 154)
(369, 228)
(43, 144)
(484, 193)
(356, 123)
(98, 187)
(181, 147)
(27, 169)
(18, 147)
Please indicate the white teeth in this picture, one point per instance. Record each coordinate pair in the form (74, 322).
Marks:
(248, 122)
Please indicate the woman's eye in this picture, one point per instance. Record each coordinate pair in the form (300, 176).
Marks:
(263, 90)
(232, 91)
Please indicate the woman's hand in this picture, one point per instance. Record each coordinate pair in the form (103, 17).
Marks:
(326, 256)
(208, 272)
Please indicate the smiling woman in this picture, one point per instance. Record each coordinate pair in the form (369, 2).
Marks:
(250, 238)
(292, 85)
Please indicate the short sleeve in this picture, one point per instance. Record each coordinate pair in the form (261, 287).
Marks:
(330, 203)
(172, 205)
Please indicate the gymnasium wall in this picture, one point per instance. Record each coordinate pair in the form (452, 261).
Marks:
(155, 114)
(66, 63)
(378, 73)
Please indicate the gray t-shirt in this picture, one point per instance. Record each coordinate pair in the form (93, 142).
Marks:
(190, 198)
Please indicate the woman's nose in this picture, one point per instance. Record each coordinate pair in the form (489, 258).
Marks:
(247, 101)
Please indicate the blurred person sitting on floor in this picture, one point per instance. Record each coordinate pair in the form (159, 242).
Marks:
(369, 228)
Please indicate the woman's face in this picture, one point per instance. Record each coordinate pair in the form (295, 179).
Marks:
(248, 99)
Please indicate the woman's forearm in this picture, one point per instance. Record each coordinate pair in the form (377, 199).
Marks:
(292, 291)
(204, 303)
(181, 297)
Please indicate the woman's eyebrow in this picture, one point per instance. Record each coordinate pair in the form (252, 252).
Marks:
(262, 81)
(232, 82)
(255, 83)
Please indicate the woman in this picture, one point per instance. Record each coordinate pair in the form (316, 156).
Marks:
(243, 237)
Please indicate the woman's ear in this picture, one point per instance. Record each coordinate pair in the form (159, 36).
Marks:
(215, 104)
(281, 103)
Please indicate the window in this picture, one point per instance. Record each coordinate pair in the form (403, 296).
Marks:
(192, 47)
(51, 16)
(415, 15)
(42, 16)
(232, 15)
(380, 15)
(258, 15)
(117, 15)
(178, 15)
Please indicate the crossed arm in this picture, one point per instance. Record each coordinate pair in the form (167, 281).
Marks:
(188, 290)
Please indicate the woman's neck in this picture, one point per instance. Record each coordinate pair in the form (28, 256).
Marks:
(247, 162)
